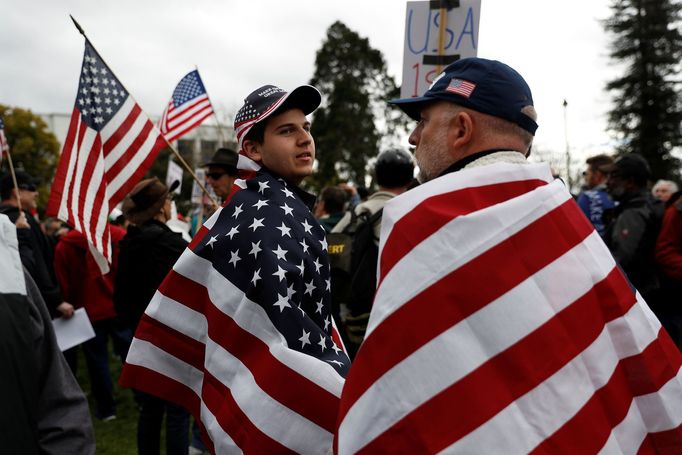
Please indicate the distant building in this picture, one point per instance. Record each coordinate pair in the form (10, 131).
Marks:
(199, 144)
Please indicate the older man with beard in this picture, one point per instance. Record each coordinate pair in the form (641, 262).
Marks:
(501, 323)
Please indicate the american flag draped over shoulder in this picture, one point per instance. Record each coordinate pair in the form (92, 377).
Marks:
(501, 324)
(109, 146)
(241, 333)
(187, 108)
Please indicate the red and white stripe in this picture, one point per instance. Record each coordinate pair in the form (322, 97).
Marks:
(177, 121)
(203, 344)
(4, 146)
(97, 169)
(502, 324)
(241, 129)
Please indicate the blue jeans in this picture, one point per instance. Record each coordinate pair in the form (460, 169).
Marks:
(149, 426)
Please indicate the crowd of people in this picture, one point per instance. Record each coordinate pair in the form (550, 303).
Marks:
(490, 129)
(636, 221)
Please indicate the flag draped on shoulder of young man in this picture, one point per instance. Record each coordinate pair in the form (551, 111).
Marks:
(187, 108)
(241, 332)
(109, 146)
(501, 322)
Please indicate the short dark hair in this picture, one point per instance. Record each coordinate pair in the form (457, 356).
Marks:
(394, 169)
(257, 132)
(598, 161)
(24, 181)
(632, 166)
(334, 199)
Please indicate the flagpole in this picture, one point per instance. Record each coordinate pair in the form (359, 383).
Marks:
(170, 146)
(215, 114)
(441, 35)
(191, 171)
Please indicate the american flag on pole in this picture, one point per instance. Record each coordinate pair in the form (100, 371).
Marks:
(188, 107)
(241, 333)
(4, 146)
(109, 146)
(502, 324)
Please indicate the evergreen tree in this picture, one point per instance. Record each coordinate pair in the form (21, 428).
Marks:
(354, 119)
(33, 147)
(647, 113)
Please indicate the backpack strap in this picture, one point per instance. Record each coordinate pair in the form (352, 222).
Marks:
(374, 218)
(363, 215)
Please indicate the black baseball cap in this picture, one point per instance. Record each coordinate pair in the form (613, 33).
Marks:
(485, 86)
(630, 165)
(24, 181)
(268, 99)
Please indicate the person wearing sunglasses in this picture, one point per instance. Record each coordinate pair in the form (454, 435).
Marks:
(221, 171)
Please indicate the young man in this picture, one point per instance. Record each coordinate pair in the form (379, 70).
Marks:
(594, 201)
(501, 322)
(259, 362)
(393, 174)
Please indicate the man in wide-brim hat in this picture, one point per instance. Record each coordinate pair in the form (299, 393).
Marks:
(221, 171)
(147, 253)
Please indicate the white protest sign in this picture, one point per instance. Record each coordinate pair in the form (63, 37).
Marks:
(174, 173)
(198, 196)
(433, 40)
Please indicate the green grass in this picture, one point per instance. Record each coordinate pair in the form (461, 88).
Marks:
(116, 437)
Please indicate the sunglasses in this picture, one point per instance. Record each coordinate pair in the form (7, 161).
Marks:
(27, 187)
(215, 175)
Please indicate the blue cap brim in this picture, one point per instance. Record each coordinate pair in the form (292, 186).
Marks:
(412, 106)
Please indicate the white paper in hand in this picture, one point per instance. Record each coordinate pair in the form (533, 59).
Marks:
(74, 331)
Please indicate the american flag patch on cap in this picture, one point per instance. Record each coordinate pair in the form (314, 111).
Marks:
(461, 87)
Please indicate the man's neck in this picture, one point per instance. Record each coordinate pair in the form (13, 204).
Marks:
(12, 202)
(396, 191)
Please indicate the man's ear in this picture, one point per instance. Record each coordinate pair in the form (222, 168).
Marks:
(252, 150)
(460, 130)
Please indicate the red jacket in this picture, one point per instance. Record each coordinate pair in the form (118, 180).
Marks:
(79, 277)
(669, 243)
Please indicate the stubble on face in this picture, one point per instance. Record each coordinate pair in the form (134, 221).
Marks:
(432, 153)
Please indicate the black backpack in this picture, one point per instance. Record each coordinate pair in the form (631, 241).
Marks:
(353, 255)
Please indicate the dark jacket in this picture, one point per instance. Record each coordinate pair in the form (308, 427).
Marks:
(37, 256)
(330, 221)
(147, 253)
(631, 238)
(43, 409)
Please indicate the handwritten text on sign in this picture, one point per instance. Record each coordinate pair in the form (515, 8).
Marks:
(428, 49)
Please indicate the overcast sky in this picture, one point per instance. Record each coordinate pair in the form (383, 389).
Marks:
(559, 47)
